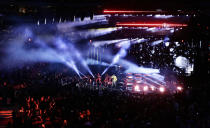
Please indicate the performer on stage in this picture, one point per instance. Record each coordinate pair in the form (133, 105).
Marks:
(98, 79)
(106, 80)
(114, 80)
(89, 80)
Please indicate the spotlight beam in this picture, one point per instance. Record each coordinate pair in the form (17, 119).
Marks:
(83, 74)
(122, 53)
(152, 81)
(150, 25)
(83, 62)
(73, 66)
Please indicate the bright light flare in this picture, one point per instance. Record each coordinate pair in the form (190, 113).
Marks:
(130, 76)
(162, 89)
(152, 88)
(167, 44)
(137, 88)
(145, 88)
(179, 88)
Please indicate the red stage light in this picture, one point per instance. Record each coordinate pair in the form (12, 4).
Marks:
(126, 11)
(150, 25)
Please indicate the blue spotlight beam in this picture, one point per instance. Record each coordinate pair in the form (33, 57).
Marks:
(122, 53)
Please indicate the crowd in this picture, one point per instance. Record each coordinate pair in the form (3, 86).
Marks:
(73, 107)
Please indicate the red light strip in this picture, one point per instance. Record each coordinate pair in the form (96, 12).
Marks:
(5, 111)
(126, 11)
(150, 25)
